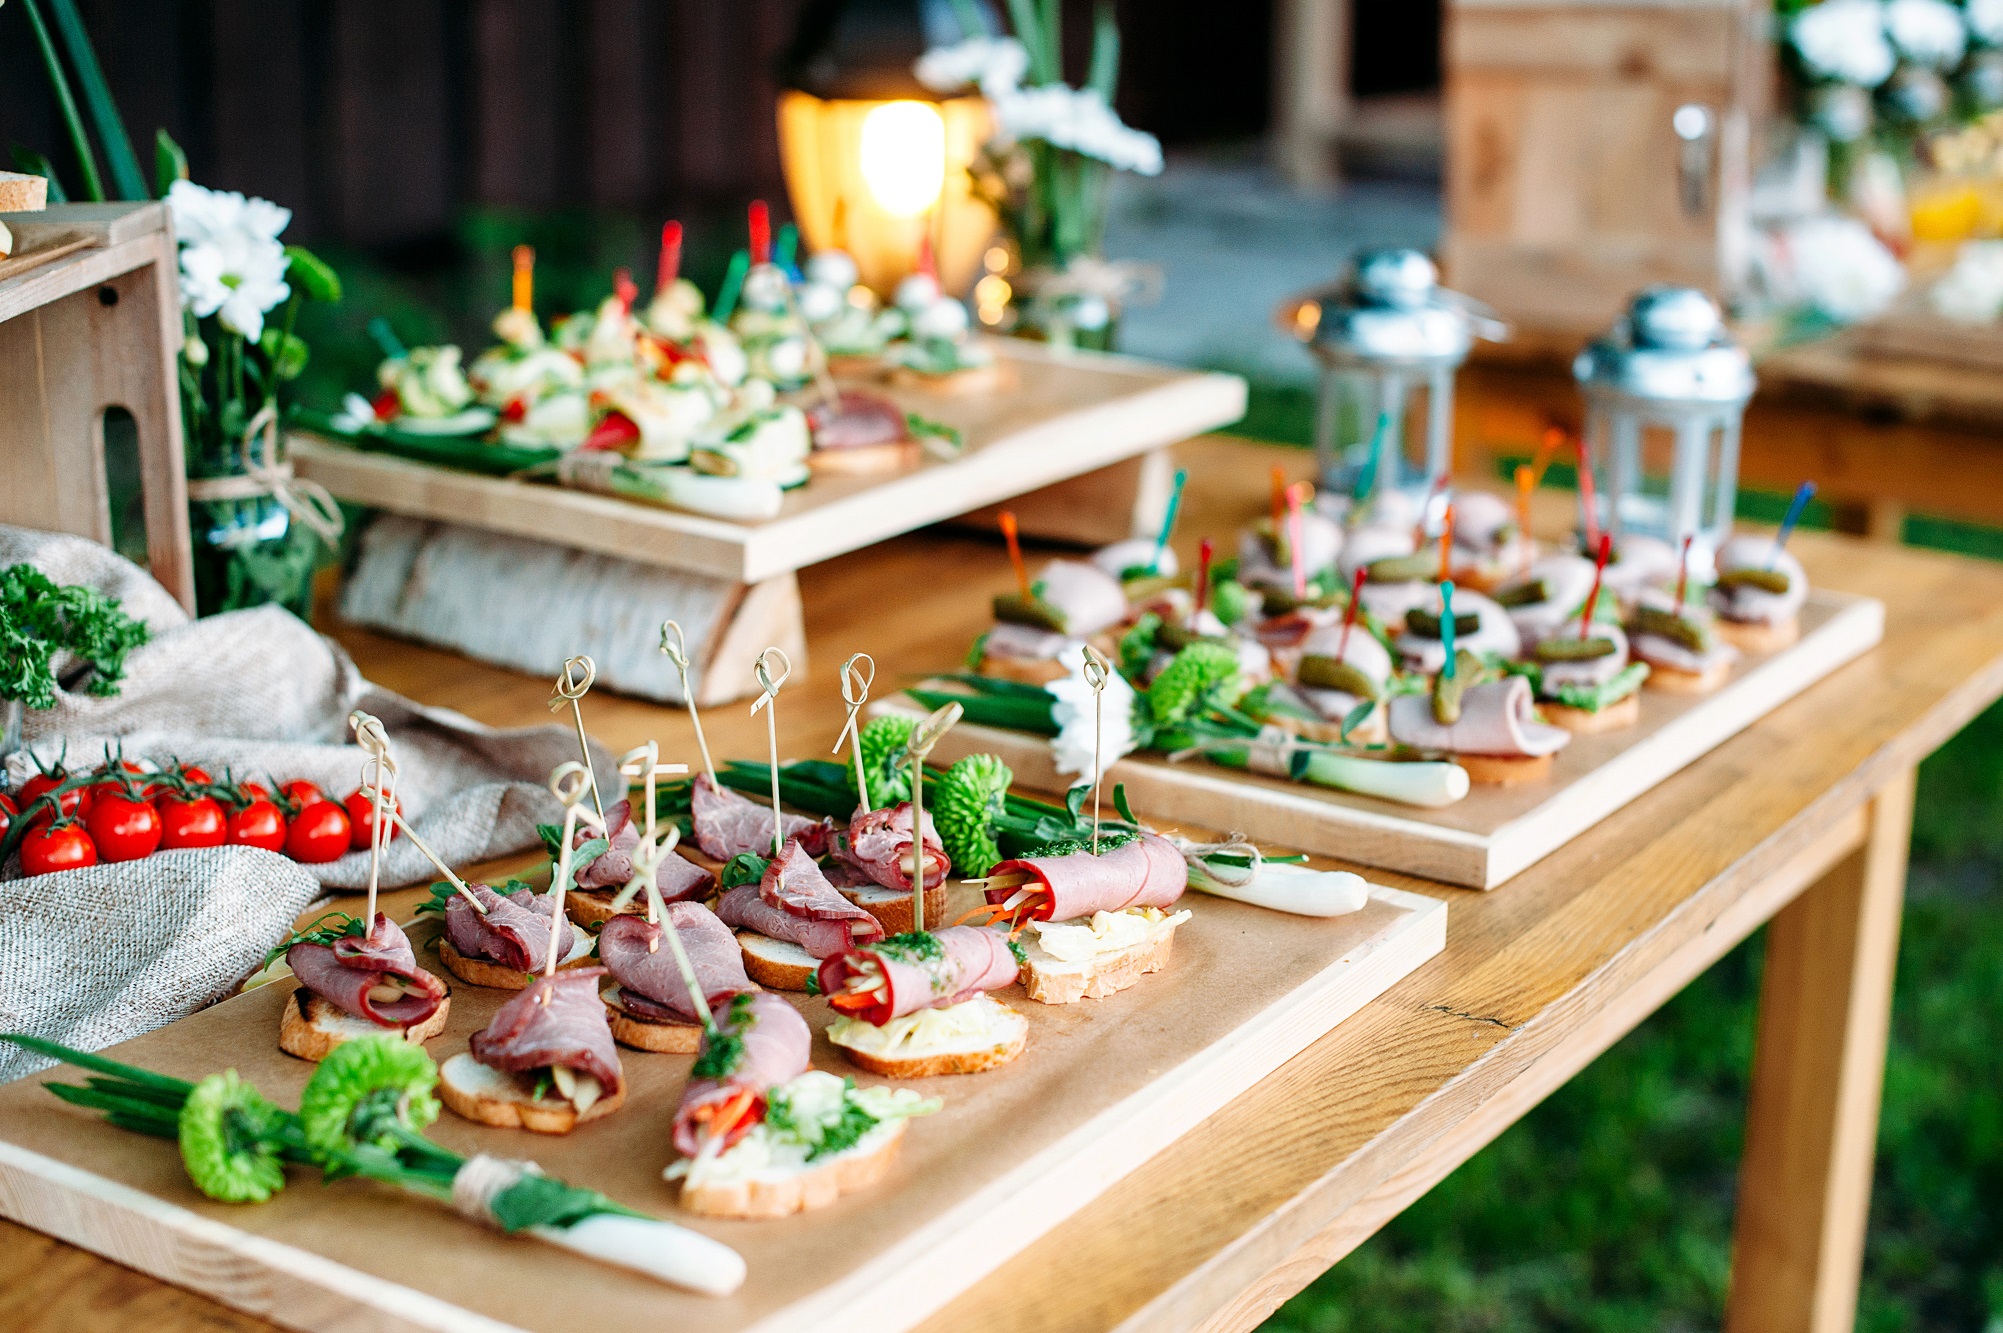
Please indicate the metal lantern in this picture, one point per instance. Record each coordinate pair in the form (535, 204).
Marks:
(1385, 334)
(1666, 388)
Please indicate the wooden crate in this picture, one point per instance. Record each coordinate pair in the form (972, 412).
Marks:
(90, 319)
(1103, 1086)
(1564, 190)
(1496, 832)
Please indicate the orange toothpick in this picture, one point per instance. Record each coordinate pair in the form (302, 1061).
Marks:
(525, 278)
(1279, 499)
(1010, 535)
(1447, 543)
(1526, 482)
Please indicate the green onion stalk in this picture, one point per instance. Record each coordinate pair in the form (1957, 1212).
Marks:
(363, 1114)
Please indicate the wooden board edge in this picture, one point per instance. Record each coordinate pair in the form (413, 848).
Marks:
(252, 1273)
(1853, 631)
(977, 1235)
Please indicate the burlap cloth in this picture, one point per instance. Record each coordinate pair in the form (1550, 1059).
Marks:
(95, 956)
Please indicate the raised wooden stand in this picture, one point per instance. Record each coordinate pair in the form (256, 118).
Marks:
(1103, 1086)
(90, 320)
(1072, 442)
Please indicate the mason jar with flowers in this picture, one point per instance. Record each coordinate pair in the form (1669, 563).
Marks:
(259, 532)
(1046, 172)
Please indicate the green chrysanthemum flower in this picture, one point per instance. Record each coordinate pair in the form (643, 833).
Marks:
(968, 799)
(1199, 674)
(229, 1140)
(373, 1090)
(883, 760)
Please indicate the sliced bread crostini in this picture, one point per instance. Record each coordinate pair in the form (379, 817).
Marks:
(781, 1193)
(645, 1032)
(776, 964)
(310, 1027)
(490, 1096)
(965, 1038)
(1064, 962)
(892, 907)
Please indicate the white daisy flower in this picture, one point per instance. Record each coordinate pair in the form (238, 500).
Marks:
(1844, 40)
(1985, 20)
(236, 277)
(1085, 729)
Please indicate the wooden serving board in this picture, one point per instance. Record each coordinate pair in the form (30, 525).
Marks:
(1053, 416)
(1496, 832)
(1103, 1086)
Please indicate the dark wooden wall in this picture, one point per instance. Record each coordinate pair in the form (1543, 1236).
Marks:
(376, 120)
(379, 121)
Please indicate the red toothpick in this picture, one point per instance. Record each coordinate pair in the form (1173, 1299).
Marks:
(1349, 613)
(1526, 482)
(761, 232)
(671, 257)
(625, 288)
(1593, 597)
(928, 264)
(1015, 553)
(1587, 497)
(1294, 542)
(1683, 572)
(1203, 554)
(1447, 544)
(1279, 498)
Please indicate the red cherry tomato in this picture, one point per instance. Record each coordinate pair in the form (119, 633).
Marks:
(362, 820)
(123, 827)
(58, 847)
(197, 777)
(303, 793)
(259, 824)
(41, 785)
(199, 822)
(7, 812)
(319, 833)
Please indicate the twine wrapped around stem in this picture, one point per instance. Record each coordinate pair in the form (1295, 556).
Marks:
(267, 476)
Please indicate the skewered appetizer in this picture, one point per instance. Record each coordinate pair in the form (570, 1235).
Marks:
(505, 942)
(791, 918)
(916, 1005)
(356, 982)
(1488, 725)
(1758, 595)
(650, 1002)
(602, 871)
(1680, 645)
(763, 1134)
(1586, 680)
(546, 1063)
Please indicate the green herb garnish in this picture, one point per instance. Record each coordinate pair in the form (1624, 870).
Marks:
(743, 868)
(39, 618)
(323, 930)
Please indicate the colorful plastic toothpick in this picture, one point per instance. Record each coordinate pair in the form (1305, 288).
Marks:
(1599, 572)
(670, 266)
(1168, 519)
(759, 226)
(1447, 626)
(1349, 612)
(1588, 500)
(1802, 495)
(1204, 551)
(1014, 540)
(1298, 557)
(525, 279)
(733, 284)
(1526, 482)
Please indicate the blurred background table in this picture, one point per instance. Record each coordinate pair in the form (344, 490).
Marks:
(1802, 819)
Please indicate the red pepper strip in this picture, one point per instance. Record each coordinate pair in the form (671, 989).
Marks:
(615, 431)
(386, 405)
(851, 1001)
(516, 409)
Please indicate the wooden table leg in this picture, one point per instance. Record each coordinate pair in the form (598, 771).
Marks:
(1825, 1006)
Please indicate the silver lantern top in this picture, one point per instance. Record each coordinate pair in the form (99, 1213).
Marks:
(1389, 311)
(1671, 348)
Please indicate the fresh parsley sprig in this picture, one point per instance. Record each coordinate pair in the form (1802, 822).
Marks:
(39, 618)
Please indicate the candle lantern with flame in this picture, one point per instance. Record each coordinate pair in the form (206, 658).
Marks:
(1385, 334)
(1666, 389)
(875, 162)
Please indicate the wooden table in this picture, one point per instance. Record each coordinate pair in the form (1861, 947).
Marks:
(1801, 820)
(1882, 437)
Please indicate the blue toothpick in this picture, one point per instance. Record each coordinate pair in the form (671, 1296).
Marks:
(1168, 518)
(1802, 495)
(733, 284)
(1366, 480)
(1447, 626)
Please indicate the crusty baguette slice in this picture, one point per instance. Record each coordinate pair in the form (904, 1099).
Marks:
(990, 1051)
(491, 1097)
(1757, 639)
(311, 1027)
(481, 972)
(776, 964)
(892, 907)
(1585, 722)
(1675, 680)
(669, 1036)
(1052, 980)
(1505, 770)
(781, 1194)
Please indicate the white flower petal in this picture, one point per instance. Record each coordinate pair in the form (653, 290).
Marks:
(1929, 32)
(1844, 40)
(1086, 728)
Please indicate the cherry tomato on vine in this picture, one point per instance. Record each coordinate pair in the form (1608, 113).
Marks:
(41, 785)
(303, 793)
(259, 824)
(8, 810)
(253, 791)
(124, 828)
(58, 847)
(319, 833)
(196, 822)
(193, 776)
(362, 820)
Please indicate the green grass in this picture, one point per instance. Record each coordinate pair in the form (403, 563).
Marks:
(1609, 1207)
